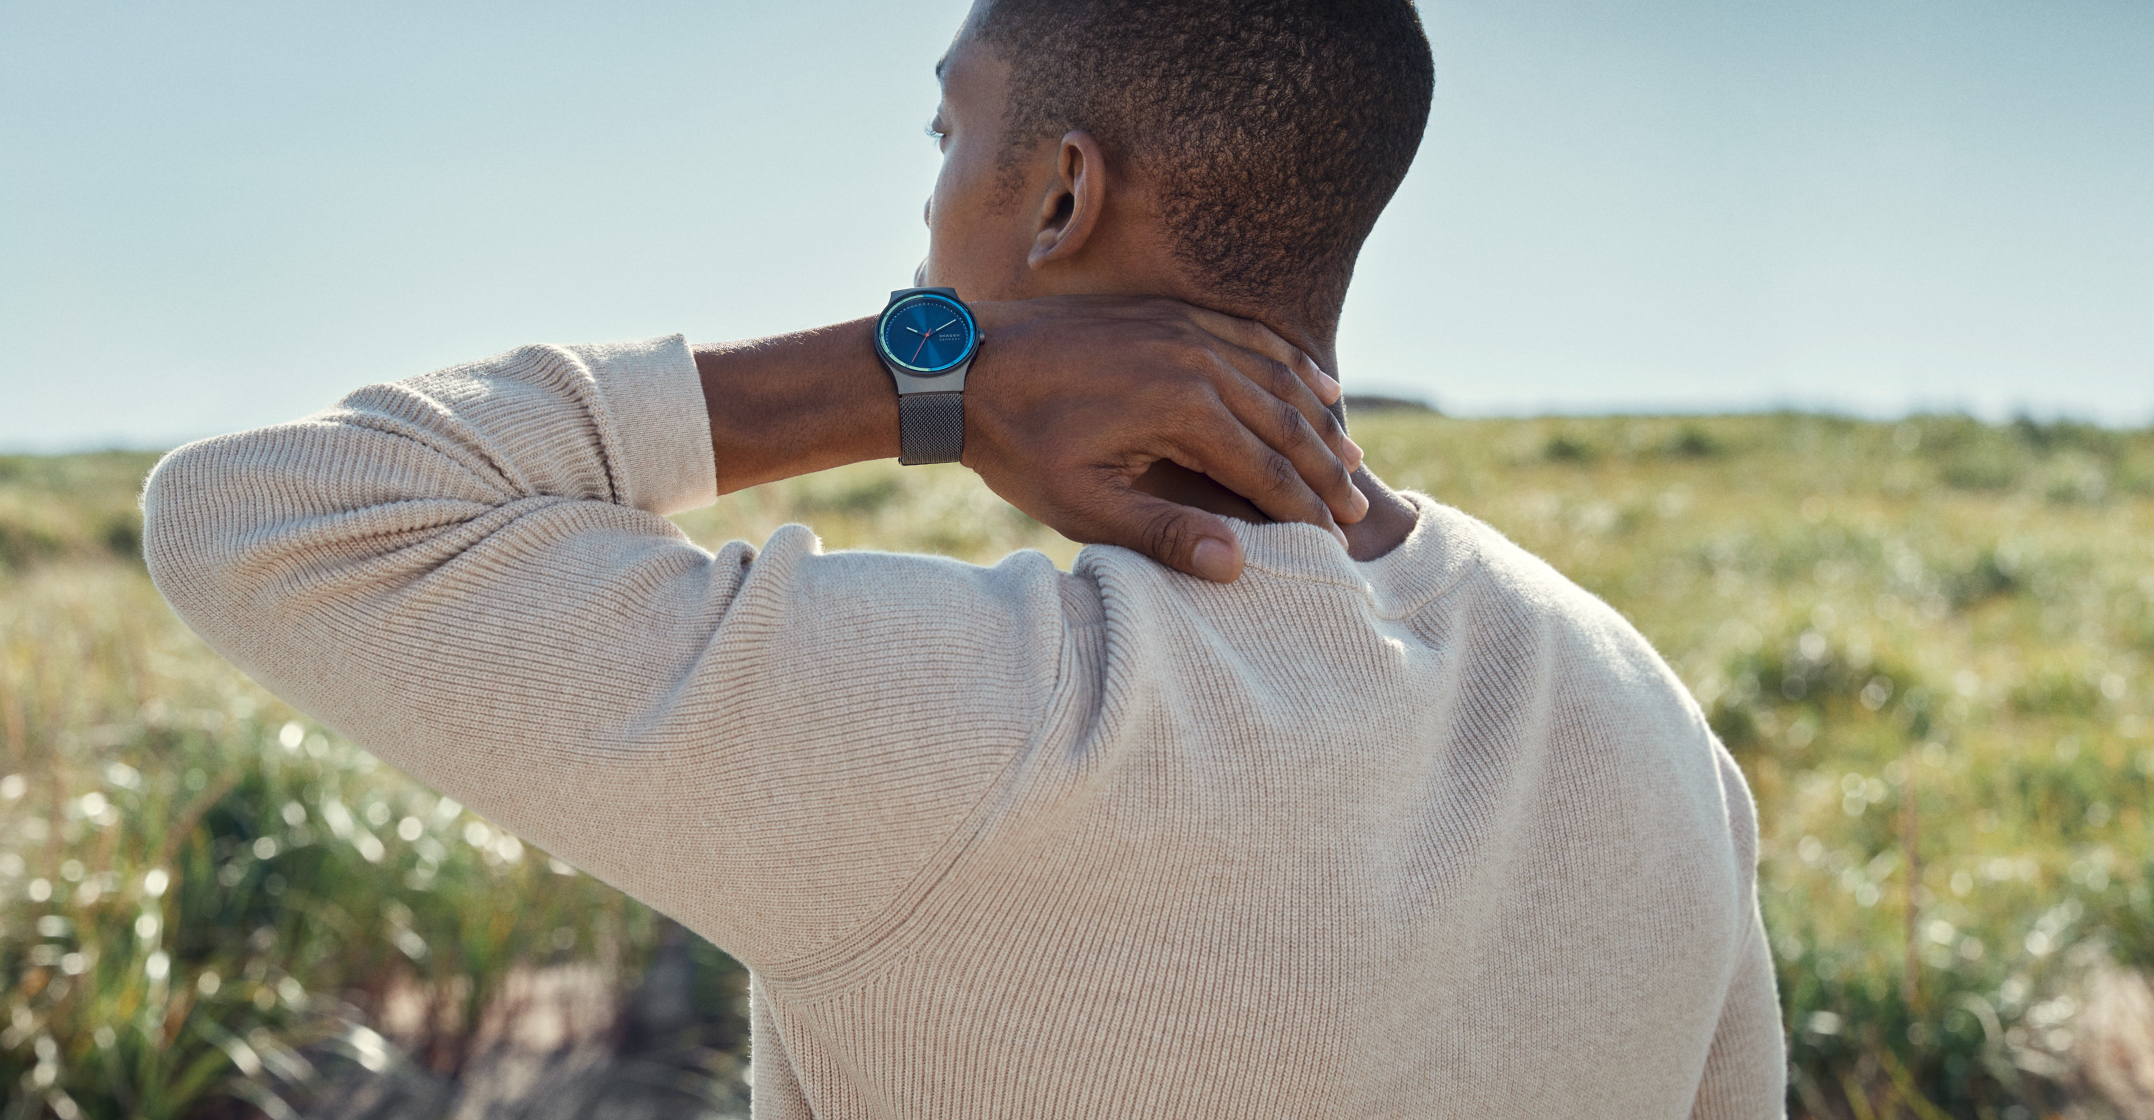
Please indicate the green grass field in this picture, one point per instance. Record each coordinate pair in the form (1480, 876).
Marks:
(1928, 643)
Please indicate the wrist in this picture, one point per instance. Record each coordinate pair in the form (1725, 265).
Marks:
(927, 338)
(796, 403)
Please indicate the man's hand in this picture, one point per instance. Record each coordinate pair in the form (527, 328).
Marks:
(1072, 399)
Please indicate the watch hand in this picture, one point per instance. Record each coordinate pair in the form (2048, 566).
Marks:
(950, 323)
(917, 349)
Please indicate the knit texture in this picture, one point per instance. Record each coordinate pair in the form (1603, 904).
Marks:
(1436, 835)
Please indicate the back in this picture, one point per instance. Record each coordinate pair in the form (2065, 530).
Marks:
(1436, 835)
(1433, 835)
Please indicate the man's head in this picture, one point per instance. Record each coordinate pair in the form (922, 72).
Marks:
(1232, 152)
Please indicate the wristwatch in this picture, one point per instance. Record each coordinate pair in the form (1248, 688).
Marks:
(926, 338)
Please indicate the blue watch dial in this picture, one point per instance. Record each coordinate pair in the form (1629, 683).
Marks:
(926, 334)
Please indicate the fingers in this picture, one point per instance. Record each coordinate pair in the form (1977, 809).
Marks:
(1281, 383)
(1307, 442)
(1185, 539)
(1223, 396)
(1254, 351)
(1256, 337)
(1237, 459)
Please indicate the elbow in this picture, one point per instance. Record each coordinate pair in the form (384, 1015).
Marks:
(183, 504)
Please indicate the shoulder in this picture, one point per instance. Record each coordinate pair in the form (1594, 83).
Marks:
(1589, 636)
(1622, 722)
(1607, 702)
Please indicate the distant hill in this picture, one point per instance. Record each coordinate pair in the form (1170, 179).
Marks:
(1370, 402)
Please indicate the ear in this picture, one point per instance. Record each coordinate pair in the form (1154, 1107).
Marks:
(1070, 209)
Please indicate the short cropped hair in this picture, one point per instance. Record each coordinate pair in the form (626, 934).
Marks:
(1275, 130)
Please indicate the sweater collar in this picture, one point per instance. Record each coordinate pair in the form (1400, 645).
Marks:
(1441, 547)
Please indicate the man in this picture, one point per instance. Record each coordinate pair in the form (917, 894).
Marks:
(1383, 821)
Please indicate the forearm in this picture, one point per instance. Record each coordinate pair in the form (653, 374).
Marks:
(1071, 400)
(466, 572)
(797, 403)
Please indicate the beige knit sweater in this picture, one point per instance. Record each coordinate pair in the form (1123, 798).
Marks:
(1437, 835)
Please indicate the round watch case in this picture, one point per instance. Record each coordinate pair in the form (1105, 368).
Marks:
(926, 334)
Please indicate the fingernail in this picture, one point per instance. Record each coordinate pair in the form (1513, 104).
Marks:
(1341, 534)
(1331, 388)
(1213, 559)
(1353, 455)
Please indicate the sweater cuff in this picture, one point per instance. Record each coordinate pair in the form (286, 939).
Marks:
(661, 427)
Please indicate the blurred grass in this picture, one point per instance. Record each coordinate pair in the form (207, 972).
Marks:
(1927, 643)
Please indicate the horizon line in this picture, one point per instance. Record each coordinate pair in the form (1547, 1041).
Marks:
(1547, 411)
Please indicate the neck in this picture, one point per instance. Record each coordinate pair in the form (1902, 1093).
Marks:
(1310, 326)
(1390, 517)
(1320, 343)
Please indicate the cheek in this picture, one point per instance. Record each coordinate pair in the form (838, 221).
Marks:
(974, 245)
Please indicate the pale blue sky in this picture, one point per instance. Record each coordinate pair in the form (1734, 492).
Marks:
(221, 214)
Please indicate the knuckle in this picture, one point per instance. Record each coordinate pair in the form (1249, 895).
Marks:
(1164, 533)
(1294, 433)
(1280, 473)
(1201, 401)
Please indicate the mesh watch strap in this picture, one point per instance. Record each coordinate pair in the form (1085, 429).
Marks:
(931, 427)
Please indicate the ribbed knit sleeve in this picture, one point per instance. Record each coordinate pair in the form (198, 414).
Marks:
(1746, 1069)
(467, 573)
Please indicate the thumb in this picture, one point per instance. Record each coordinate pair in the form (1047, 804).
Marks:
(1181, 537)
